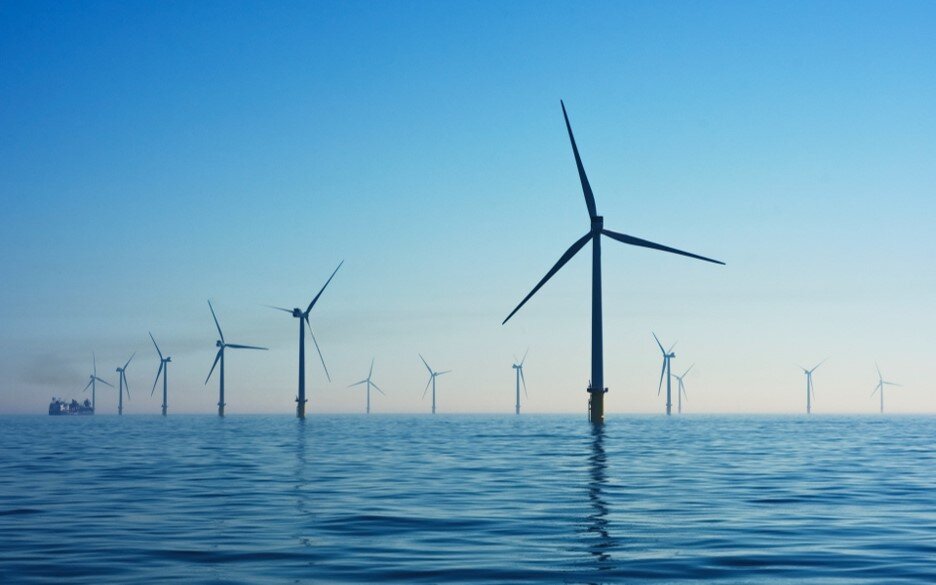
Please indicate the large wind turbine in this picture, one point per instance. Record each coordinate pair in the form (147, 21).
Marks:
(303, 317)
(880, 386)
(221, 345)
(666, 371)
(122, 376)
(164, 370)
(596, 387)
(369, 383)
(432, 378)
(519, 372)
(681, 388)
(92, 382)
(810, 389)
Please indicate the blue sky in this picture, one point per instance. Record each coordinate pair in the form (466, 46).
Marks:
(157, 155)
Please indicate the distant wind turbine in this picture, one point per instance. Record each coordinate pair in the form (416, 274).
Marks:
(596, 387)
(810, 388)
(164, 370)
(880, 386)
(369, 383)
(681, 388)
(122, 377)
(432, 382)
(518, 367)
(667, 356)
(222, 345)
(303, 317)
(92, 382)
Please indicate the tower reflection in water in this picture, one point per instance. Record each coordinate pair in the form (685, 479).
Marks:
(600, 541)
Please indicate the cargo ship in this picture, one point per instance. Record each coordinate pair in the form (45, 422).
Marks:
(60, 407)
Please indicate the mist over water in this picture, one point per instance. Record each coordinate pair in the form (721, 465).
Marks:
(645, 499)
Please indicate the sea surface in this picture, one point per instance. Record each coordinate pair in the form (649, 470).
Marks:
(467, 499)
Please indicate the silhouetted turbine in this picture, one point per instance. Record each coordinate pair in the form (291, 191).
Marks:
(810, 389)
(369, 383)
(164, 370)
(880, 386)
(681, 388)
(667, 356)
(222, 345)
(432, 382)
(92, 382)
(122, 381)
(303, 317)
(596, 387)
(519, 373)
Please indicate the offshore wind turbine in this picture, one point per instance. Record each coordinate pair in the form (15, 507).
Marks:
(880, 386)
(122, 377)
(667, 356)
(222, 345)
(164, 370)
(810, 388)
(596, 387)
(681, 388)
(432, 382)
(519, 373)
(303, 317)
(369, 383)
(92, 382)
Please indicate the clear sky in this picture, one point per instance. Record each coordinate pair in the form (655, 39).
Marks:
(155, 155)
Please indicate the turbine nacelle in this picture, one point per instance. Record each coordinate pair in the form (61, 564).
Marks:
(597, 224)
(297, 313)
(219, 343)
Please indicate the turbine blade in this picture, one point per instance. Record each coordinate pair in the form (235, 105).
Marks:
(662, 373)
(88, 386)
(319, 351)
(426, 389)
(377, 388)
(522, 379)
(648, 244)
(371, 372)
(524, 356)
(217, 357)
(880, 375)
(157, 347)
(663, 351)
(876, 388)
(93, 364)
(161, 364)
(126, 385)
(816, 367)
(687, 371)
(215, 317)
(892, 384)
(103, 382)
(425, 364)
(586, 188)
(236, 346)
(279, 308)
(572, 251)
(315, 300)
(440, 373)
(128, 361)
(357, 384)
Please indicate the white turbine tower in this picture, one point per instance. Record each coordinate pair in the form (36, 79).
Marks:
(432, 382)
(681, 389)
(810, 388)
(518, 367)
(92, 382)
(667, 356)
(880, 386)
(369, 383)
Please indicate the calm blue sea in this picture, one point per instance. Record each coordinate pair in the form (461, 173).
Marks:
(467, 499)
